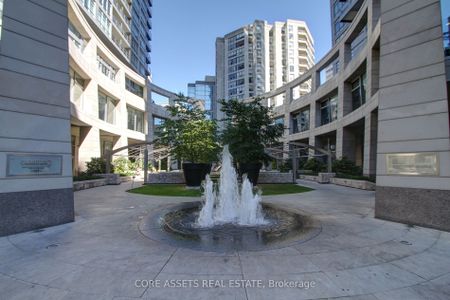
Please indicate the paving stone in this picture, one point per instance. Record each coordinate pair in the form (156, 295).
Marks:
(368, 280)
(295, 286)
(203, 265)
(103, 253)
(345, 259)
(276, 265)
(196, 287)
(427, 264)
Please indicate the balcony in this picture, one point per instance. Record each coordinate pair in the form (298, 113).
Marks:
(351, 10)
(126, 7)
(123, 47)
(120, 11)
(124, 31)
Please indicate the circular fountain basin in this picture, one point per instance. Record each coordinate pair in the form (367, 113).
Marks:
(176, 225)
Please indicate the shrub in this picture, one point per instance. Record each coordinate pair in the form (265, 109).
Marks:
(314, 165)
(285, 167)
(126, 167)
(249, 128)
(97, 165)
(346, 166)
(356, 177)
(84, 176)
(190, 135)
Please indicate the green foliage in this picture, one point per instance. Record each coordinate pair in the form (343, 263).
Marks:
(97, 165)
(356, 177)
(346, 166)
(191, 136)
(314, 165)
(250, 127)
(124, 166)
(285, 167)
(85, 176)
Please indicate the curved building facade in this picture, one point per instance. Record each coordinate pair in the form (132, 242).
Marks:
(109, 98)
(379, 97)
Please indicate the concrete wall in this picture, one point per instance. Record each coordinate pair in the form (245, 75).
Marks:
(34, 113)
(413, 113)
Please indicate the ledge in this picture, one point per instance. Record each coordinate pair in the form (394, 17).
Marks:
(88, 184)
(357, 184)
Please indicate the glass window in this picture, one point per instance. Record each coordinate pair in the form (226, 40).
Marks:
(359, 91)
(359, 42)
(106, 68)
(135, 119)
(89, 5)
(76, 87)
(300, 121)
(329, 71)
(133, 87)
(106, 5)
(106, 108)
(75, 36)
(328, 110)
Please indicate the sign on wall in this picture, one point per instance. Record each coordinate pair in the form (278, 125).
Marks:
(33, 165)
(412, 164)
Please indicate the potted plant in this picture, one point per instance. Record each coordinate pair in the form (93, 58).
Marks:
(249, 128)
(192, 138)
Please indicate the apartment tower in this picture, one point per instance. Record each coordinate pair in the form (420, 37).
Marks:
(261, 57)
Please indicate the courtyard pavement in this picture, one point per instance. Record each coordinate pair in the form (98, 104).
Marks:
(104, 256)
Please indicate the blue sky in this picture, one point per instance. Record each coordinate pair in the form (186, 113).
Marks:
(184, 32)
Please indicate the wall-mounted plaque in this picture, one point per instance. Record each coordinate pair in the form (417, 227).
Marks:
(412, 164)
(33, 165)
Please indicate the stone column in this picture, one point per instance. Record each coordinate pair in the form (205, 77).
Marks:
(370, 144)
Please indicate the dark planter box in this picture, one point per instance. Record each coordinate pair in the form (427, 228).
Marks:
(252, 171)
(194, 174)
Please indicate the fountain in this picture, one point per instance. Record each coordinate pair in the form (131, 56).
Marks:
(231, 218)
(225, 203)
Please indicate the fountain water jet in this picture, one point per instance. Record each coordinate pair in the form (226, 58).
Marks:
(226, 203)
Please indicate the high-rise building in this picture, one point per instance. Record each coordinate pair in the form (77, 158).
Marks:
(125, 27)
(109, 86)
(204, 90)
(342, 14)
(141, 35)
(261, 57)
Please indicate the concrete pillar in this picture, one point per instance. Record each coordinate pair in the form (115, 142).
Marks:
(339, 142)
(370, 144)
(348, 144)
(374, 14)
(312, 142)
(89, 145)
(312, 115)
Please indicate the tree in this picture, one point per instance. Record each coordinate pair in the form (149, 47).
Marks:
(250, 127)
(190, 135)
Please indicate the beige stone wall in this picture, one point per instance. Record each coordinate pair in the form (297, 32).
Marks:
(34, 90)
(413, 105)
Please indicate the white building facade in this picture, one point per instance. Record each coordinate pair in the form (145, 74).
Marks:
(261, 57)
(109, 97)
